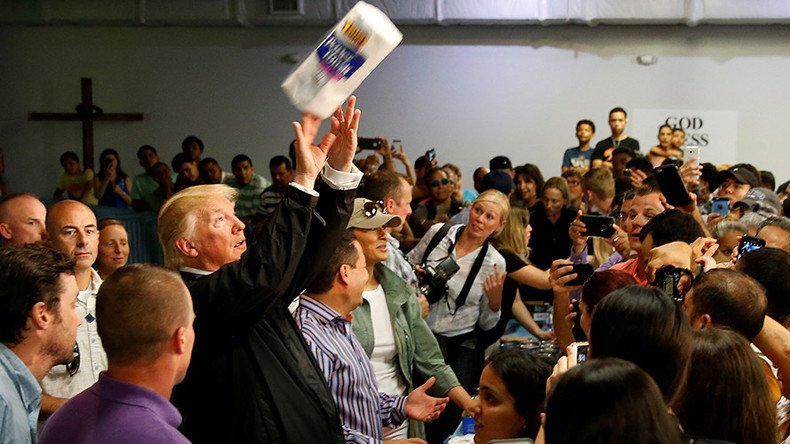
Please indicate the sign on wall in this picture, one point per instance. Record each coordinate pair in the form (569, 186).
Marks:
(714, 131)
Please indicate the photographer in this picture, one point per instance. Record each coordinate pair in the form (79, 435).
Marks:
(461, 306)
(112, 185)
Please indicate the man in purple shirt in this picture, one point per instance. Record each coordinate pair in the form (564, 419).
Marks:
(146, 330)
(324, 317)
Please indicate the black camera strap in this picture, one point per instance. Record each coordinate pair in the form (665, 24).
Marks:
(435, 241)
(470, 279)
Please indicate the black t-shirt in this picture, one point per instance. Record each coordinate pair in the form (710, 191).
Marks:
(513, 262)
(603, 149)
(548, 242)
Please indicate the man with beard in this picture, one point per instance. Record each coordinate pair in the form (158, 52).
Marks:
(38, 326)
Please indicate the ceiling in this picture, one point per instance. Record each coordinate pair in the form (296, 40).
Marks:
(295, 13)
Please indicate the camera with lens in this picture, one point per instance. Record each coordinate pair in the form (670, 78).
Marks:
(433, 280)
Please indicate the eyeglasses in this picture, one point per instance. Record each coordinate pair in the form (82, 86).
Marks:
(373, 207)
(436, 183)
(675, 282)
(74, 366)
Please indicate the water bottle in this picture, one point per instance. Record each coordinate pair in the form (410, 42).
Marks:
(467, 424)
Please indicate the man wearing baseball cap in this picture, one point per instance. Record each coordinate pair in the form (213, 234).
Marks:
(501, 163)
(759, 200)
(735, 182)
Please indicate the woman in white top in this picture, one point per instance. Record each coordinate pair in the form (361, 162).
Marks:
(455, 315)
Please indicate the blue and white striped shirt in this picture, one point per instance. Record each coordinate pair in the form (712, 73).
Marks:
(348, 372)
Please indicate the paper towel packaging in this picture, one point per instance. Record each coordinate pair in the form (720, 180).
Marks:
(341, 61)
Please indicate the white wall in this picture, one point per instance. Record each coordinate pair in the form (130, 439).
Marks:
(470, 92)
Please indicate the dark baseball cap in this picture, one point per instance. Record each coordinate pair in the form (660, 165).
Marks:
(741, 175)
(500, 163)
(497, 180)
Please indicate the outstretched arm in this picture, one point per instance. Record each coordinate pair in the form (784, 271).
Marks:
(774, 341)
(270, 268)
(423, 407)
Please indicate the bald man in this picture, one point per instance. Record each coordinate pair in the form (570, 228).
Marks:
(776, 232)
(22, 218)
(72, 229)
(146, 328)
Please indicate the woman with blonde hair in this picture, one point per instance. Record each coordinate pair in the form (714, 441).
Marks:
(513, 245)
(462, 307)
(113, 247)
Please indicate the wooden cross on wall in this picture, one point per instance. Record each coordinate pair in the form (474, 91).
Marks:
(87, 112)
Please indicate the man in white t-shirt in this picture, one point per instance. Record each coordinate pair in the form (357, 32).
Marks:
(73, 230)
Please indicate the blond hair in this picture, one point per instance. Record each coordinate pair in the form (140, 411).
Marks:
(512, 236)
(497, 198)
(600, 181)
(178, 216)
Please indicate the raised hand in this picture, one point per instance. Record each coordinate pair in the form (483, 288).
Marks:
(564, 364)
(310, 158)
(423, 407)
(344, 147)
(619, 241)
(690, 172)
(493, 286)
(560, 273)
(637, 178)
(575, 231)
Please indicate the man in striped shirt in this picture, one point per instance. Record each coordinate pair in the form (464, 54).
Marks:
(324, 318)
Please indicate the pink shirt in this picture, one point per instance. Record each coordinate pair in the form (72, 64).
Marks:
(631, 266)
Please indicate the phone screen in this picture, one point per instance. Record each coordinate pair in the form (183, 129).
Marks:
(749, 243)
(672, 186)
(582, 349)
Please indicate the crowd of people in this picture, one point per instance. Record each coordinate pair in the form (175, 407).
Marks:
(345, 301)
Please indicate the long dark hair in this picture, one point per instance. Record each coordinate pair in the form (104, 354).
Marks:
(121, 174)
(726, 395)
(524, 375)
(644, 326)
(608, 401)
